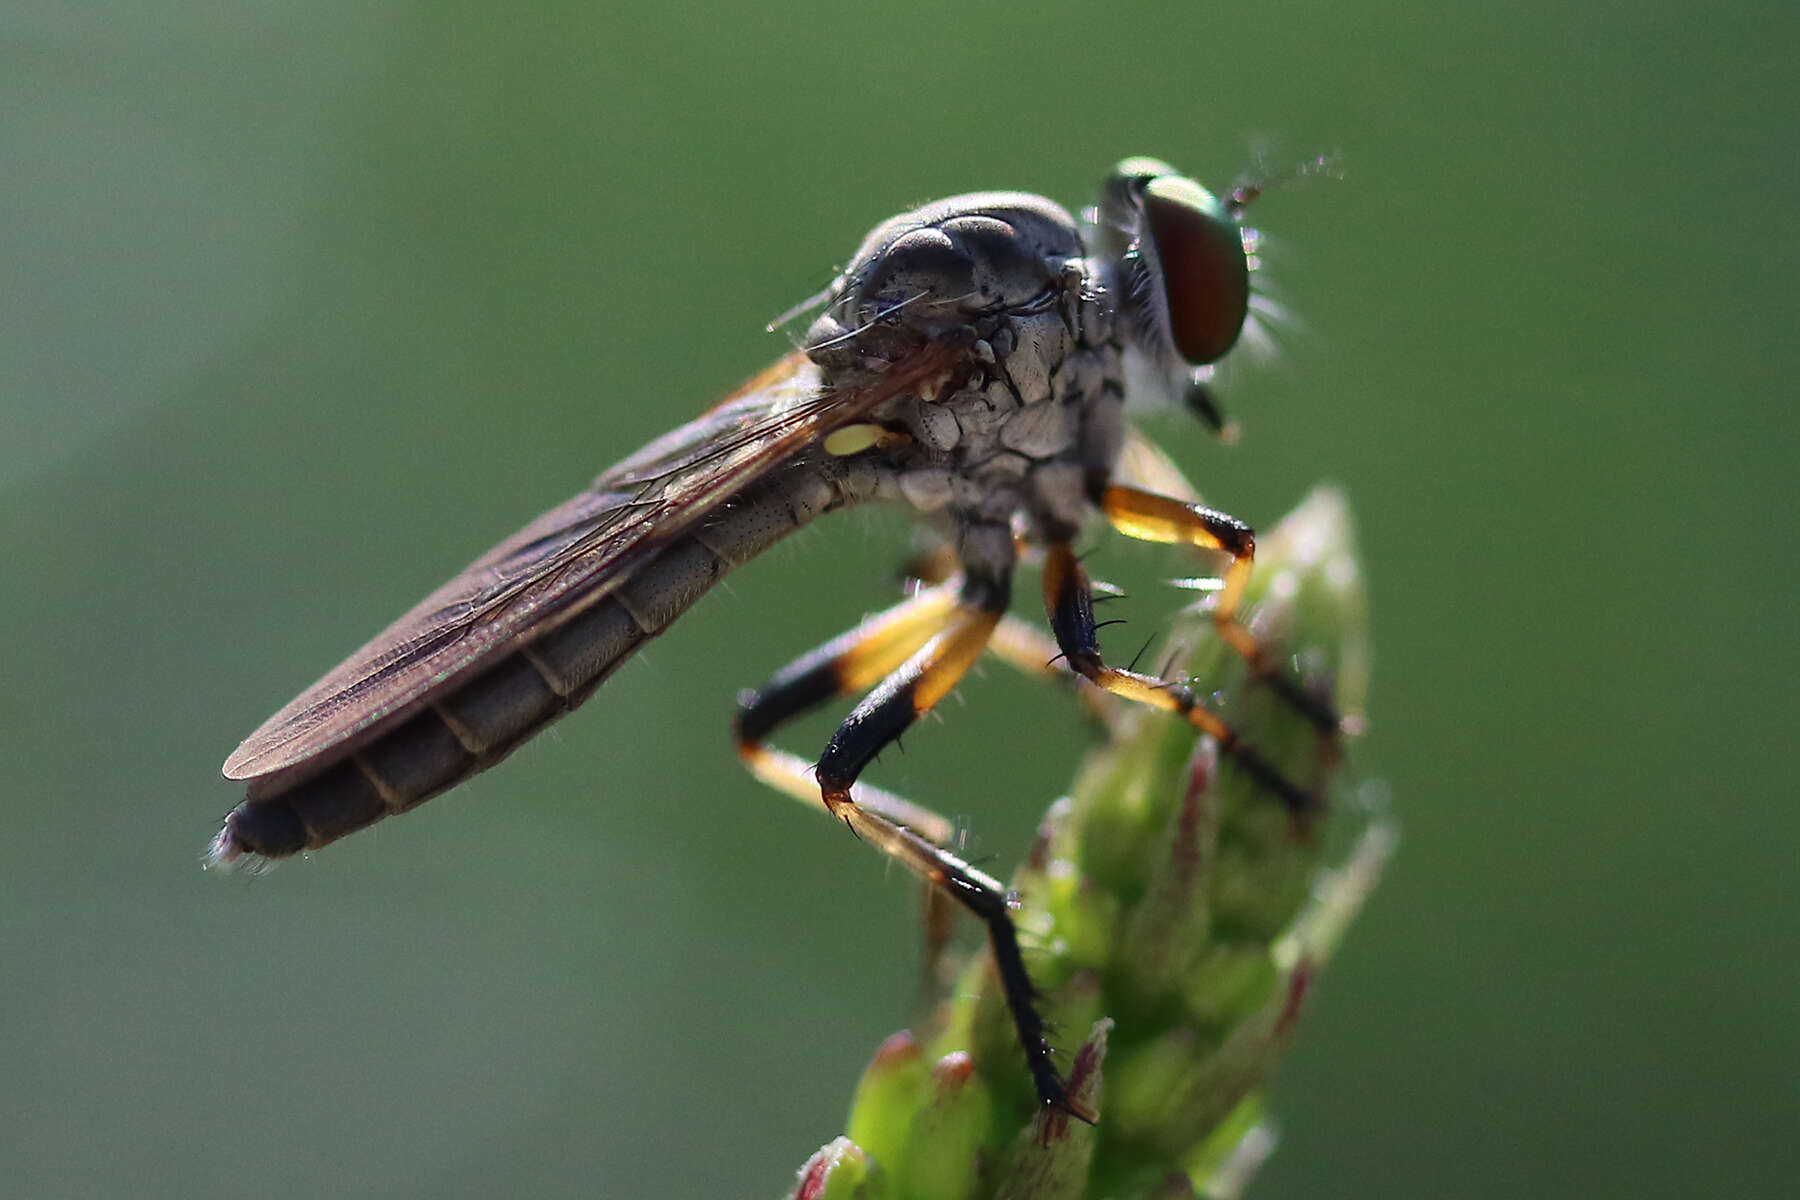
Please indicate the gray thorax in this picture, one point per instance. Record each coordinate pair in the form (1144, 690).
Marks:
(1033, 416)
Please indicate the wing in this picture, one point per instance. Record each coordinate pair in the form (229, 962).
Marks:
(570, 556)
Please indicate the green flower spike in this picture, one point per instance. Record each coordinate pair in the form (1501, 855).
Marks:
(1169, 907)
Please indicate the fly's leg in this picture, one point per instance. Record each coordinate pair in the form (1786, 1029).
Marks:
(1032, 652)
(909, 690)
(849, 664)
(854, 663)
(908, 693)
(1069, 599)
(985, 897)
(1026, 648)
(884, 715)
(1154, 518)
(846, 665)
(861, 658)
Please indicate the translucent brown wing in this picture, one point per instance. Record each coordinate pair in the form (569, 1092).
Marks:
(572, 554)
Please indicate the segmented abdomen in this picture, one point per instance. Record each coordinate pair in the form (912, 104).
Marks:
(475, 723)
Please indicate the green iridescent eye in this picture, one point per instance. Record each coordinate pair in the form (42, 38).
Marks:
(1199, 253)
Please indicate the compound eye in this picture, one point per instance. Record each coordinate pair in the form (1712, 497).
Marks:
(1200, 255)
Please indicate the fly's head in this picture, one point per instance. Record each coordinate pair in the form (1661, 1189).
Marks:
(1180, 265)
(971, 270)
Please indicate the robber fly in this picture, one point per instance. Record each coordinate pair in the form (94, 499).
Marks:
(971, 362)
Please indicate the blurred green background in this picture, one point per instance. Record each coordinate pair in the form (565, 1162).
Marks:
(305, 305)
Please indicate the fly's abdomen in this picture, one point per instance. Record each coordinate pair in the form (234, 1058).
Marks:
(471, 725)
(466, 730)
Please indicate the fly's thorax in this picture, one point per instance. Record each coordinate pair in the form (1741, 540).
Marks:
(1005, 276)
(957, 269)
(1034, 411)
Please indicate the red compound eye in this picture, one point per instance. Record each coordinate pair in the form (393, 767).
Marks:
(1205, 276)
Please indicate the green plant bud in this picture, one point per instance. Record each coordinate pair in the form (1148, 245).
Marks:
(889, 1096)
(1173, 906)
(941, 1160)
(840, 1171)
